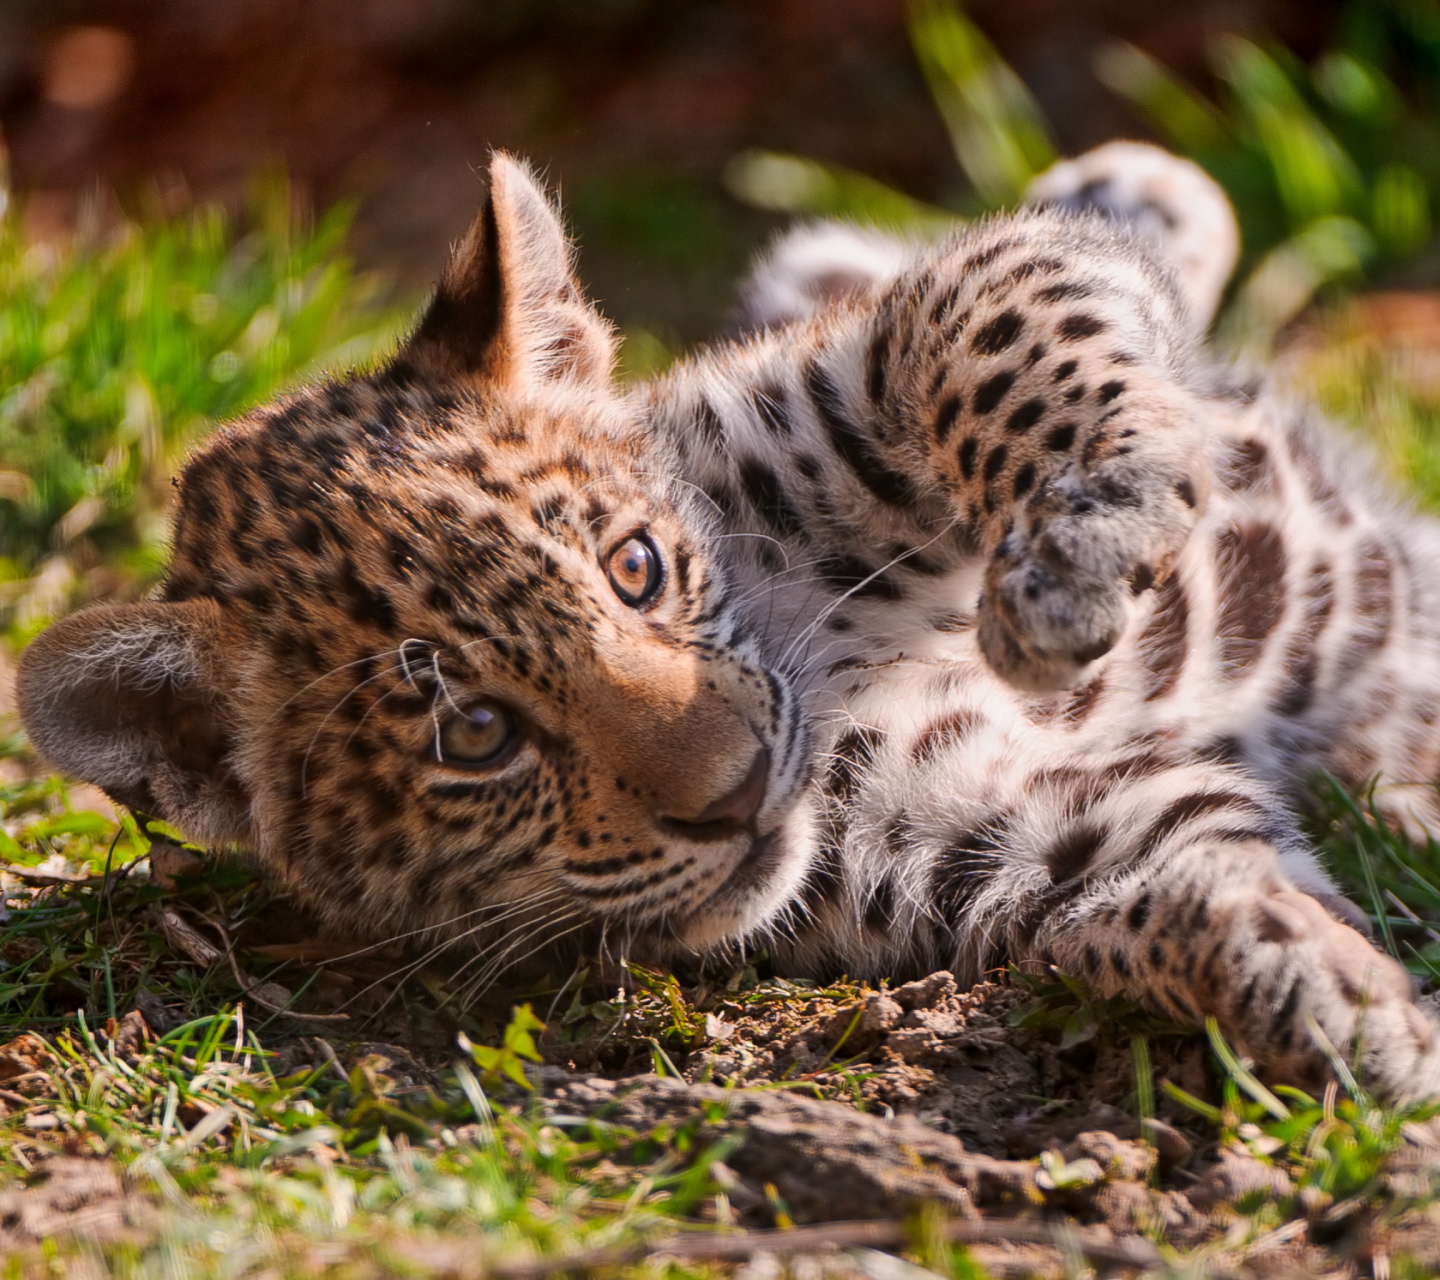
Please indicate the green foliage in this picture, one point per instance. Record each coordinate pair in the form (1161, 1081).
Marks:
(999, 133)
(335, 1156)
(1337, 1149)
(518, 1047)
(1387, 390)
(793, 184)
(1333, 166)
(257, 1166)
(1065, 1005)
(660, 251)
(117, 352)
(1395, 878)
(1343, 1155)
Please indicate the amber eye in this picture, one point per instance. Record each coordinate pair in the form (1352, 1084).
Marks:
(479, 735)
(635, 570)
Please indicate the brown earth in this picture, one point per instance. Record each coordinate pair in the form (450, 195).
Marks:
(866, 1108)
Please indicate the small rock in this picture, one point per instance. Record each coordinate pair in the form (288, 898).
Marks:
(1235, 1175)
(1118, 1158)
(24, 1054)
(925, 992)
(72, 1197)
(936, 1021)
(911, 1045)
(1124, 1206)
(1172, 1146)
(170, 863)
(157, 1017)
(878, 1016)
(881, 1014)
(131, 1036)
(1184, 1225)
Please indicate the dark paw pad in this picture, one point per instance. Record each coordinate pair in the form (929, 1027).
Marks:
(1095, 651)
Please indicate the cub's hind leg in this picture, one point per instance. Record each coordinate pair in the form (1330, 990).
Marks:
(1170, 201)
(965, 828)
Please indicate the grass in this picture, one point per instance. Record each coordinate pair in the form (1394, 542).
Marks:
(122, 348)
(306, 1160)
(250, 1148)
(258, 1168)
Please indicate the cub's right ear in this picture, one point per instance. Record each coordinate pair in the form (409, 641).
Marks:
(129, 698)
(508, 310)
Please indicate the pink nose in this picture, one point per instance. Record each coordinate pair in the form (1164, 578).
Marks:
(731, 813)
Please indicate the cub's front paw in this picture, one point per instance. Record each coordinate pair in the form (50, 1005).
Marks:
(1303, 970)
(1044, 629)
(1065, 580)
(1062, 591)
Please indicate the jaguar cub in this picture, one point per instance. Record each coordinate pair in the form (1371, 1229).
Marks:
(965, 613)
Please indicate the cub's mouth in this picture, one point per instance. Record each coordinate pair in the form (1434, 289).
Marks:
(755, 868)
(761, 885)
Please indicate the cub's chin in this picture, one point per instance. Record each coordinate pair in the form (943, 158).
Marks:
(755, 895)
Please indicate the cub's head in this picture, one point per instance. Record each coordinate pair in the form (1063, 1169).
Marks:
(446, 645)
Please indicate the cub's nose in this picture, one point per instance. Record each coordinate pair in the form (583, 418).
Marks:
(730, 814)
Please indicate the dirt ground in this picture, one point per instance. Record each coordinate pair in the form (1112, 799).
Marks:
(851, 1109)
(958, 1101)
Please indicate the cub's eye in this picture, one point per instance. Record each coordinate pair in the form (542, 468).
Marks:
(479, 735)
(635, 570)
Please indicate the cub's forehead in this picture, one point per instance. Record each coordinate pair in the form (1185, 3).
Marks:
(392, 479)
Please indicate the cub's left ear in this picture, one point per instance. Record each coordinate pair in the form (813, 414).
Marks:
(507, 310)
(131, 698)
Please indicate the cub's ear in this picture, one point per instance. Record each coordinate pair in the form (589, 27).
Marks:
(128, 698)
(507, 309)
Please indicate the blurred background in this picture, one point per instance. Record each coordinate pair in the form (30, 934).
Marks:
(634, 108)
(208, 199)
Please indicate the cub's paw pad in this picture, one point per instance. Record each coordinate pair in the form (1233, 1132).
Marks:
(1044, 633)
